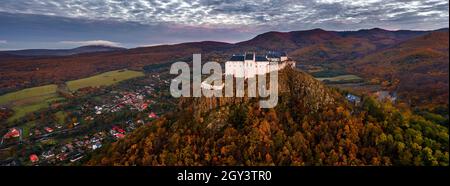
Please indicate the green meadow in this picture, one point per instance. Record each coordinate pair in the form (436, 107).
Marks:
(29, 93)
(348, 77)
(33, 99)
(29, 100)
(104, 79)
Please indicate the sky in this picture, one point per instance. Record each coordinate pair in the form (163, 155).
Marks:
(136, 23)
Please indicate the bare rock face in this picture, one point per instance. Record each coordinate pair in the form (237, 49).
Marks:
(304, 91)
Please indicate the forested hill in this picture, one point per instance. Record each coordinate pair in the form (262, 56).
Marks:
(311, 125)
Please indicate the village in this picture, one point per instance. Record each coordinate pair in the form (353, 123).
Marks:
(98, 117)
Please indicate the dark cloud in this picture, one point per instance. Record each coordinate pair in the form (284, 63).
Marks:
(234, 13)
(180, 20)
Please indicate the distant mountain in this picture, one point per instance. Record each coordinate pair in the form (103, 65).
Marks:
(419, 66)
(442, 30)
(63, 52)
(317, 46)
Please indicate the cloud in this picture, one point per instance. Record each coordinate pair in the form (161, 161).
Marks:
(3, 41)
(92, 42)
(133, 23)
(287, 14)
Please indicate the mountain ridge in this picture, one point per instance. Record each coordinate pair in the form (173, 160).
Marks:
(62, 52)
(314, 47)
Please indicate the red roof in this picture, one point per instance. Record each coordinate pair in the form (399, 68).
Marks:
(34, 158)
(118, 129)
(48, 129)
(152, 115)
(12, 133)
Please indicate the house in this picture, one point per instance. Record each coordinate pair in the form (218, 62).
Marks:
(353, 99)
(48, 129)
(12, 133)
(118, 129)
(152, 115)
(96, 145)
(47, 154)
(34, 158)
(144, 106)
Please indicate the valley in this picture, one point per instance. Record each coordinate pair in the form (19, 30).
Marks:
(367, 97)
(32, 99)
(61, 126)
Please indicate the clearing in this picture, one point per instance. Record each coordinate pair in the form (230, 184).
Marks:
(340, 78)
(104, 79)
(33, 99)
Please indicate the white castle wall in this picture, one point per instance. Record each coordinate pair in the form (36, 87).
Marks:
(234, 68)
(251, 68)
(262, 68)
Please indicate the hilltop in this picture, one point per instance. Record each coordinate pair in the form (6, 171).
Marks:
(311, 125)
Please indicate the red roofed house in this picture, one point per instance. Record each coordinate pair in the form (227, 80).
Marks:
(152, 115)
(118, 129)
(144, 106)
(48, 129)
(34, 158)
(12, 133)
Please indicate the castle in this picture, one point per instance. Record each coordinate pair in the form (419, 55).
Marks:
(249, 65)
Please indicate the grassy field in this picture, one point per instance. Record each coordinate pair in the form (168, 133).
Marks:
(347, 77)
(327, 73)
(29, 100)
(22, 109)
(33, 99)
(28, 93)
(104, 79)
